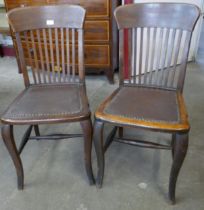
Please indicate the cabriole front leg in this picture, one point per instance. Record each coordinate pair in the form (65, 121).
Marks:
(8, 138)
(98, 143)
(179, 152)
(88, 131)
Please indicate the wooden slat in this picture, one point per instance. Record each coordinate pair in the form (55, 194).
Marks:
(52, 55)
(41, 56)
(153, 50)
(81, 54)
(35, 58)
(57, 54)
(29, 56)
(184, 60)
(46, 55)
(169, 56)
(129, 49)
(73, 56)
(68, 54)
(176, 54)
(147, 56)
(134, 55)
(62, 54)
(121, 57)
(158, 58)
(164, 55)
(140, 58)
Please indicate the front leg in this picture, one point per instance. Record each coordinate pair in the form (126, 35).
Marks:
(180, 147)
(88, 131)
(7, 135)
(98, 143)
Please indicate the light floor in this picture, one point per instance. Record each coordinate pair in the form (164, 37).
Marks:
(135, 178)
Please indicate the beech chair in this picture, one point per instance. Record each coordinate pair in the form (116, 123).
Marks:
(54, 78)
(152, 72)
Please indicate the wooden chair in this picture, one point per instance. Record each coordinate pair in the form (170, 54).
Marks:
(54, 92)
(150, 93)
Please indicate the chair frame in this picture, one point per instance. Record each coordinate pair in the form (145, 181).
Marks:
(48, 18)
(130, 16)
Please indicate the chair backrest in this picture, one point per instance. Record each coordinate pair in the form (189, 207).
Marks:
(49, 40)
(159, 36)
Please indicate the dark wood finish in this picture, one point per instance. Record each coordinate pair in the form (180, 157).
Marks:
(25, 139)
(100, 32)
(180, 150)
(110, 138)
(88, 131)
(120, 132)
(8, 138)
(141, 143)
(57, 95)
(150, 96)
(37, 130)
(100, 150)
(56, 136)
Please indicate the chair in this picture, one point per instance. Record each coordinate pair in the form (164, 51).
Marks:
(52, 39)
(151, 80)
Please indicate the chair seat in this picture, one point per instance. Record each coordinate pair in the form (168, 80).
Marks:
(48, 103)
(145, 107)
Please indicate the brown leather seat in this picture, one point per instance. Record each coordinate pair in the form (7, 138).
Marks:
(45, 103)
(139, 107)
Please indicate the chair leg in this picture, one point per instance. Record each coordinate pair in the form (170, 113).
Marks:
(98, 143)
(37, 130)
(8, 138)
(88, 131)
(173, 144)
(120, 132)
(180, 150)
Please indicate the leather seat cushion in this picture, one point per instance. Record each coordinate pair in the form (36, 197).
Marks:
(48, 102)
(147, 104)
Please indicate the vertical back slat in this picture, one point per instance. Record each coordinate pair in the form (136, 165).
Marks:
(140, 56)
(29, 56)
(41, 56)
(169, 56)
(35, 57)
(81, 54)
(134, 54)
(46, 55)
(158, 58)
(68, 53)
(184, 60)
(176, 54)
(129, 49)
(73, 55)
(52, 54)
(164, 55)
(121, 57)
(152, 55)
(62, 54)
(57, 54)
(147, 56)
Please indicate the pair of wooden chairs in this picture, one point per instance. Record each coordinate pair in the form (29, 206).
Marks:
(151, 79)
